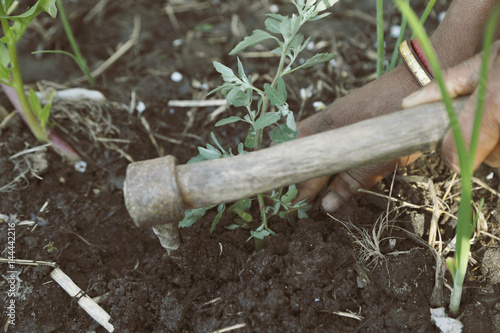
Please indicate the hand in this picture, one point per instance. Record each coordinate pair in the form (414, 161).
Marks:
(376, 98)
(463, 80)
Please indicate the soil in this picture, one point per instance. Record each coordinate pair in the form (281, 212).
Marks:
(309, 277)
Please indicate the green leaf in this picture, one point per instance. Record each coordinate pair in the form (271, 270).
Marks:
(283, 133)
(35, 105)
(243, 204)
(4, 55)
(209, 153)
(191, 216)
(275, 97)
(225, 71)
(220, 211)
(44, 114)
(260, 234)
(244, 215)
(325, 4)
(250, 139)
(290, 194)
(257, 37)
(241, 70)
(290, 122)
(318, 59)
(282, 87)
(228, 120)
(21, 21)
(273, 25)
(267, 119)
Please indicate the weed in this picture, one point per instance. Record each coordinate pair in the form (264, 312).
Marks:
(239, 91)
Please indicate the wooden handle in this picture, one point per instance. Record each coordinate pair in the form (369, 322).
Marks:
(212, 182)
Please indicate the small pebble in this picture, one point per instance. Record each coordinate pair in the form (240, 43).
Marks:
(395, 31)
(490, 176)
(177, 42)
(319, 106)
(141, 107)
(310, 46)
(274, 9)
(333, 63)
(441, 16)
(176, 77)
(81, 166)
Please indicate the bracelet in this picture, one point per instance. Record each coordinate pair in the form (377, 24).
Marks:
(414, 64)
(421, 56)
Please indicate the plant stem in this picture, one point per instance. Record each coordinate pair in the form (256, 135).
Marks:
(380, 37)
(17, 84)
(74, 45)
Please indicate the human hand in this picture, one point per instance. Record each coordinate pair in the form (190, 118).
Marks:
(463, 80)
(376, 98)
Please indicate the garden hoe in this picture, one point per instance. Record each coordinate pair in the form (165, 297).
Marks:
(158, 191)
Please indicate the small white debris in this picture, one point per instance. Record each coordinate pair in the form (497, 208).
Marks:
(176, 77)
(171, 111)
(141, 107)
(319, 106)
(445, 323)
(177, 42)
(395, 31)
(441, 16)
(392, 243)
(310, 46)
(72, 95)
(274, 9)
(81, 166)
(490, 176)
(333, 63)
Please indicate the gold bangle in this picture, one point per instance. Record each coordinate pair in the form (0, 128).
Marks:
(411, 61)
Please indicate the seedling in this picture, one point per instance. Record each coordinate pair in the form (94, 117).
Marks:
(10, 73)
(76, 55)
(466, 223)
(270, 111)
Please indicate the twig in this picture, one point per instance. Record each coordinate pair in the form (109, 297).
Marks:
(28, 262)
(436, 213)
(91, 307)
(30, 150)
(230, 328)
(485, 186)
(115, 56)
(197, 103)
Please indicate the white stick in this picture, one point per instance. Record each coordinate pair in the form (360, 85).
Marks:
(91, 307)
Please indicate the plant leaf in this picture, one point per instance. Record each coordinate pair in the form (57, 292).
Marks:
(191, 216)
(220, 211)
(318, 59)
(275, 97)
(325, 4)
(250, 139)
(225, 71)
(257, 37)
(282, 133)
(228, 120)
(273, 25)
(267, 119)
(209, 153)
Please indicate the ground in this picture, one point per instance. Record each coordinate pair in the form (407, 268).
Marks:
(311, 277)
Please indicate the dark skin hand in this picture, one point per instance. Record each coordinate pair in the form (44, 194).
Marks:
(454, 42)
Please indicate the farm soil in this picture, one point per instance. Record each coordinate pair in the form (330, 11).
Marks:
(309, 277)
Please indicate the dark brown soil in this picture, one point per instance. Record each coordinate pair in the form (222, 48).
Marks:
(309, 278)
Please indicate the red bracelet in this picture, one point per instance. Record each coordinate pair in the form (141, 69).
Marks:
(421, 55)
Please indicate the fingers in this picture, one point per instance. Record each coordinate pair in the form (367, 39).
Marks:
(489, 137)
(347, 184)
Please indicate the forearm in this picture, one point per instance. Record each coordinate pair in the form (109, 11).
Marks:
(460, 35)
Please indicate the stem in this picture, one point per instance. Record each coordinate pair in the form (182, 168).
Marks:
(262, 208)
(395, 53)
(17, 84)
(74, 45)
(380, 37)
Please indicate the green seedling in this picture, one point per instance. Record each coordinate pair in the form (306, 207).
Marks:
(29, 107)
(466, 223)
(271, 111)
(76, 55)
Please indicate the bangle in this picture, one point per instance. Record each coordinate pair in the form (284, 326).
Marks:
(413, 63)
(421, 56)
